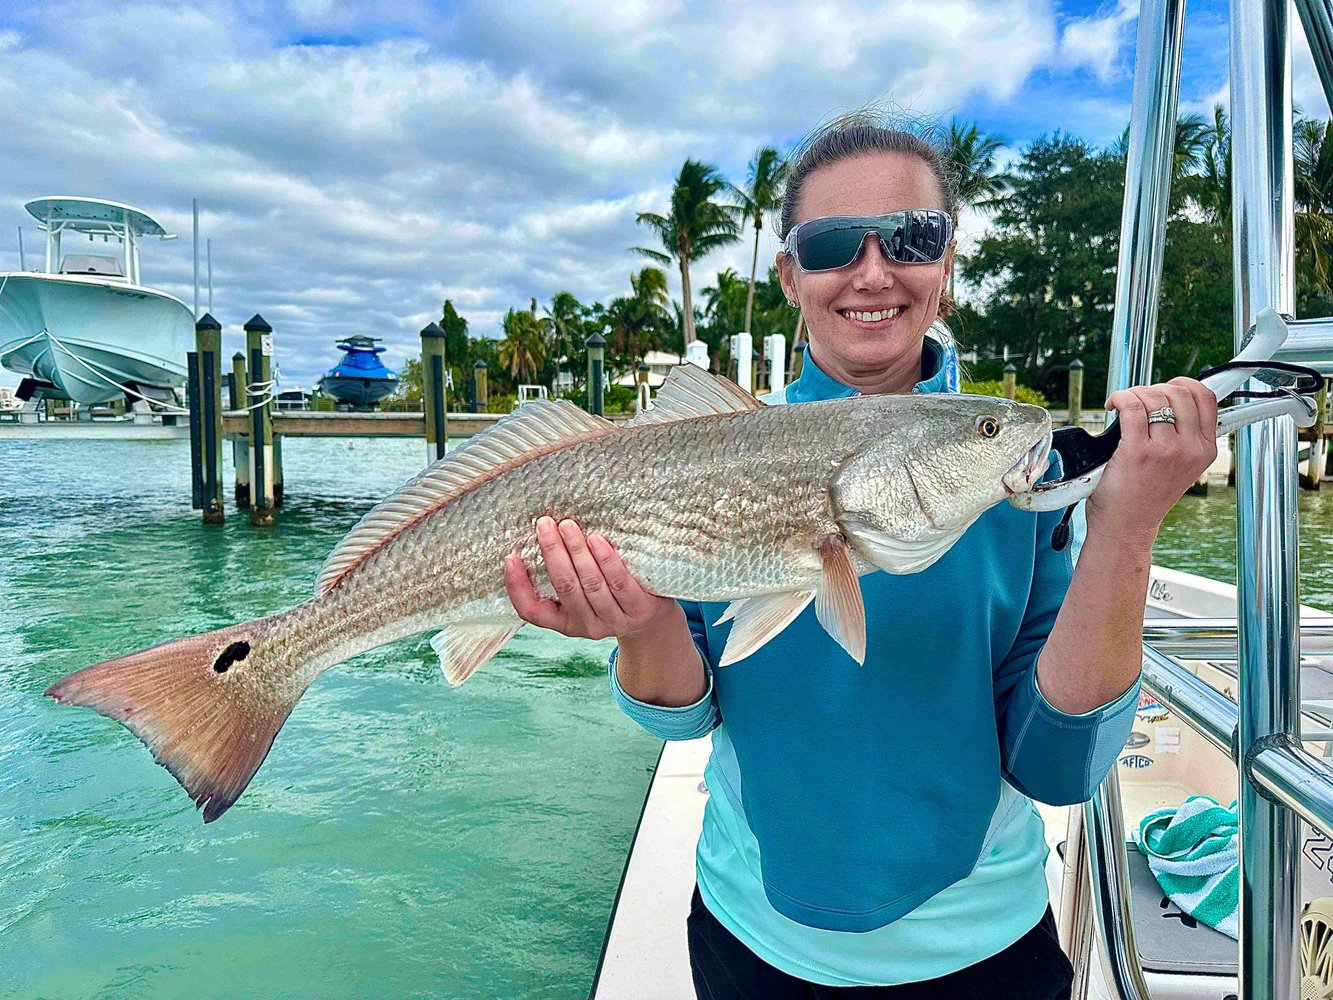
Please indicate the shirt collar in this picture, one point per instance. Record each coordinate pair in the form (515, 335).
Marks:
(815, 383)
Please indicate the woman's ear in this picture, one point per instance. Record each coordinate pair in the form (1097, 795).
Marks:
(787, 279)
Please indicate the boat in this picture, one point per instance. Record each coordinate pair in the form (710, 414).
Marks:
(645, 955)
(360, 379)
(85, 328)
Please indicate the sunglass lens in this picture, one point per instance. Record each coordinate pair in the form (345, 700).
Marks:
(825, 251)
(921, 240)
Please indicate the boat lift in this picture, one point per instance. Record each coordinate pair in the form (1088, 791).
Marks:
(1281, 784)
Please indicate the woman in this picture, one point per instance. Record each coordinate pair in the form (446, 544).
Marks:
(871, 831)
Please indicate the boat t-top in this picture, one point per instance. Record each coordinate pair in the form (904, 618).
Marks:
(84, 327)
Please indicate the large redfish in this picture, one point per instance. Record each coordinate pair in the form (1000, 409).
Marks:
(709, 496)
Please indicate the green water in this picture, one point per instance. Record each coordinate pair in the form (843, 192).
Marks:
(403, 839)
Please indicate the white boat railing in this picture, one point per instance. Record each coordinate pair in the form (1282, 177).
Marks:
(1280, 783)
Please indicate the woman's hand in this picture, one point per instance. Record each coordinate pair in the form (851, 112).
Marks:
(1154, 463)
(596, 595)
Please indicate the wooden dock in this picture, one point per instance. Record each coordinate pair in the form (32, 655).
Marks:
(304, 423)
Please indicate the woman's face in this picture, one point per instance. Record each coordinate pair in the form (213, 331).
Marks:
(873, 355)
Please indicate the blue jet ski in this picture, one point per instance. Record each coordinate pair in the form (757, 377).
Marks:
(360, 380)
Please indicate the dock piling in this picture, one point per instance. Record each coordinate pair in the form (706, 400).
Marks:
(596, 345)
(259, 351)
(433, 367)
(1010, 380)
(1075, 392)
(1316, 464)
(240, 446)
(480, 390)
(206, 417)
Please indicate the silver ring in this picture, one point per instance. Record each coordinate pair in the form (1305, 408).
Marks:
(1165, 415)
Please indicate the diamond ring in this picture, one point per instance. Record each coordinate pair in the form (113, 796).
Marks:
(1165, 415)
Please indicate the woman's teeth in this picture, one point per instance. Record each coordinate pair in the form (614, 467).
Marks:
(873, 317)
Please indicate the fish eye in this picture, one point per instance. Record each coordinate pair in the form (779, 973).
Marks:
(988, 426)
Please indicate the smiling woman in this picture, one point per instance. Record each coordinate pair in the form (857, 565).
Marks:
(845, 844)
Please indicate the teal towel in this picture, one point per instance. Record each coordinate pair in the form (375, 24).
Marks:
(1194, 852)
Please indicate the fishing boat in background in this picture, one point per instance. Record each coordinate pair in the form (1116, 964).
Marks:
(85, 328)
(360, 380)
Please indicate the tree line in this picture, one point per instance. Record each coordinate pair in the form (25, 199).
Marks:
(1037, 291)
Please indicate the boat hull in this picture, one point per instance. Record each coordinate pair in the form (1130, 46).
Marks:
(357, 390)
(85, 335)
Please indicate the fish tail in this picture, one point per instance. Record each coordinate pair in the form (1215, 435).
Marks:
(201, 705)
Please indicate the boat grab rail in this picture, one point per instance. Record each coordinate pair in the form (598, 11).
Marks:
(1216, 638)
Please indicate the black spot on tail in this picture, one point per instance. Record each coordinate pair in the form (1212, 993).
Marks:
(234, 653)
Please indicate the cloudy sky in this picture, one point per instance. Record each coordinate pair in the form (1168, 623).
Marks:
(356, 164)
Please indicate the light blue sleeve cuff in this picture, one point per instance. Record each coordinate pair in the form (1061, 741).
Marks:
(686, 722)
(1059, 758)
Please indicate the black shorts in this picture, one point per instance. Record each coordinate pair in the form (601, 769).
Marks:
(1032, 968)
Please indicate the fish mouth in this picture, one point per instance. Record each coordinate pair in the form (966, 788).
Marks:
(1031, 467)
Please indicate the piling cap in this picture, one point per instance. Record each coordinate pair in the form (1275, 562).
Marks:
(256, 322)
(207, 322)
(1011, 367)
(432, 330)
(238, 356)
(481, 363)
(1076, 364)
(596, 340)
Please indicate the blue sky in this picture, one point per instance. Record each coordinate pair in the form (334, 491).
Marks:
(356, 164)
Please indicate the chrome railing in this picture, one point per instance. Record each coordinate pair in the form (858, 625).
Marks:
(1280, 783)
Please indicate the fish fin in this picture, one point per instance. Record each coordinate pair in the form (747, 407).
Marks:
(210, 727)
(838, 604)
(539, 427)
(465, 646)
(759, 619)
(894, 555)
(691, 391)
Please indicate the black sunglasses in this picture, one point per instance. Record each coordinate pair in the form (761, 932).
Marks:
(916, 236)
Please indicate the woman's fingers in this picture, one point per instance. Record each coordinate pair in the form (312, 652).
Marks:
(634, 601)
(1133, 416)
(596, 591)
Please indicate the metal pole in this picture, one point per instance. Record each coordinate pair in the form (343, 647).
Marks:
(1138, 278)
(194, 203)
(23, 264)
(1152, 137)
(1266, 592)
(208, 244)
(1317, 18)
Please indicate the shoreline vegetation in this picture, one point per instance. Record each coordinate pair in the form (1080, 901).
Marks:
(1036, 290)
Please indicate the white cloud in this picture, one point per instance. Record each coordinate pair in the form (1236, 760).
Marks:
(1096, 43)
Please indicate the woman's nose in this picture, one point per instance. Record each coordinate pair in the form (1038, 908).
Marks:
(872, 270)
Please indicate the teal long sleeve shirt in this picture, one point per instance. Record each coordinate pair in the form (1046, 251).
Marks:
(874, 825)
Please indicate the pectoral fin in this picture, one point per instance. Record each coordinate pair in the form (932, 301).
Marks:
(838, 604)
(464, 647)
(759, 619)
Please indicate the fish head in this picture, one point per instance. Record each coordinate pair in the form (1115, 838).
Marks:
(927, 468)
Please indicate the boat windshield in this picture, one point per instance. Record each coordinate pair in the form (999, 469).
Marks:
(88, 263)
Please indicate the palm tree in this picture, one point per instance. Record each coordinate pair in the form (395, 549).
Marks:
(1313, 194)
(1214, 192)
(971, 154)
(523, 350)
(695, 226)
(640, 321)
(764, 181)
